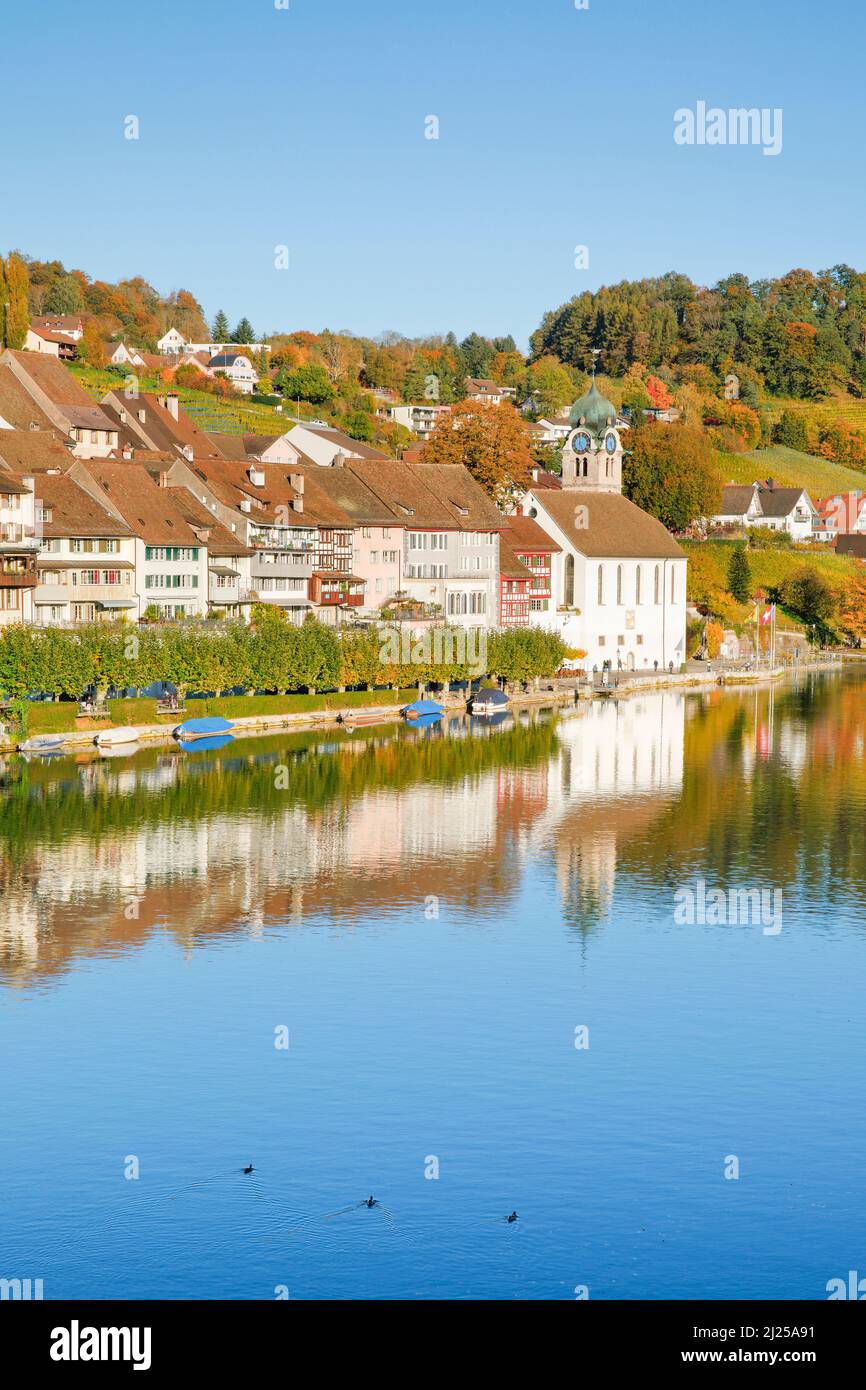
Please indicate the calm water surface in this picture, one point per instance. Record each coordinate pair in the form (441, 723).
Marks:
(431, 916)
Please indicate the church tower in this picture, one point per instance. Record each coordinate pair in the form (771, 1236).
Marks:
(592, 453)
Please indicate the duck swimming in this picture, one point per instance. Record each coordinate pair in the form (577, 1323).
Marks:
(371, 1202)
(512, 1217)
(249, 1169)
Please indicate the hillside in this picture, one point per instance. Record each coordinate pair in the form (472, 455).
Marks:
(216, 415)
(791, 468)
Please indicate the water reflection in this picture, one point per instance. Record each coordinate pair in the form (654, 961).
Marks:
(97, 855)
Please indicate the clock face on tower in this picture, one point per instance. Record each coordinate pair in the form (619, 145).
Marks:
(581, 442)
(610, 443)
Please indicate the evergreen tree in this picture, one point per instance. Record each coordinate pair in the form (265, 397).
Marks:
(244, 332)
(221, 331)
(739, 575)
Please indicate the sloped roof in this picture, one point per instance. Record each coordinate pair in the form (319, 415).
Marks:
(52, 377)
(151, 511)
(341, 440)
(33, 451)
(779, 501)
(510, 565)
(74, 511)
(220, 540)
(429, 496)
(525, 534)
(17, 406)
(614, 528)
(160, 426)
(736, 499)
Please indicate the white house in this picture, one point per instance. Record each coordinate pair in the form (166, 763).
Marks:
(767, 504)
(171, 342)
(237, 367)
(18, 546)
(619, 579)
(171, 562)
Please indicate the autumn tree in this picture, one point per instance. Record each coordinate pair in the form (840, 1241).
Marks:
(550, 385)
(490, 440)
(17, 307)
(672, 473)
(91, 346)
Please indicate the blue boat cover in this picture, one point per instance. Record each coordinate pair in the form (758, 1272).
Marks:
(423, 707)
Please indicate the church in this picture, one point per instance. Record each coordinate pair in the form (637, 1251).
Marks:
(618, 583)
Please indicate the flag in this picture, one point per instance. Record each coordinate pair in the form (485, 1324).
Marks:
(767, 615)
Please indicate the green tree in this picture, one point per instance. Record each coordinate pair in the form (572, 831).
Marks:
(672, 472)
(220, 330)
(739, 575)
(792, 431)
(309, 382)
(64, 296)
(244, 332)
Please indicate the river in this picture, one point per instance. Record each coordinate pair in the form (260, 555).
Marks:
(467, 970)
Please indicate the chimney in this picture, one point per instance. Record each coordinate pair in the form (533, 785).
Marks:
(142, 415)
(170, 403)
(122, 414)
(127, 451)
(163, 479)
(297, 504)
(188, 453)
(338, 460)
(296, 482)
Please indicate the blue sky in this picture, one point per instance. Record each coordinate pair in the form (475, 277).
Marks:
(305, 128)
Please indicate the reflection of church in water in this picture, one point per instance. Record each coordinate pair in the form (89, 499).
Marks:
(620, 767)
(610, 770)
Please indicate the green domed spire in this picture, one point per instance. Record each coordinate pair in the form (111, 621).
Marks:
(594, 410)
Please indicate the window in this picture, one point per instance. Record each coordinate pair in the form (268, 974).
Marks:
(374, 557)
(637, 584)
(619, 585)
(600, 586)
(673, 584)
(657, 587)
(568, 582)
(378, 584)
(602, 641)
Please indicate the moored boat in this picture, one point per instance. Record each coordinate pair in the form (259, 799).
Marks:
(111, 738)
(421, 708)
(42, 743)
(202, 728)
(489, 701)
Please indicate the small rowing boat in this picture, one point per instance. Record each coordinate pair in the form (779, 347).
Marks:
(202, 728)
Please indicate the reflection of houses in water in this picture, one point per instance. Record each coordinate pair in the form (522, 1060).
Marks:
(466, 840)
(621, 764)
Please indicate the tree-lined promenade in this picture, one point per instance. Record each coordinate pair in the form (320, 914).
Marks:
(267, 656)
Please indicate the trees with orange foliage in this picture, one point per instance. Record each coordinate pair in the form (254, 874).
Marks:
(851, 615)
(490, 440)
(91, 345)
(660, 396)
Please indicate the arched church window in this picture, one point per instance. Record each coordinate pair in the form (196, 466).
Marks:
(568, 582)
(657, 582)
(673, 584)
(637, 584)
(600, 582)
(619, 584)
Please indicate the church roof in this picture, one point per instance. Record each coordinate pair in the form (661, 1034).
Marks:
(594, 410)
(610, 527)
